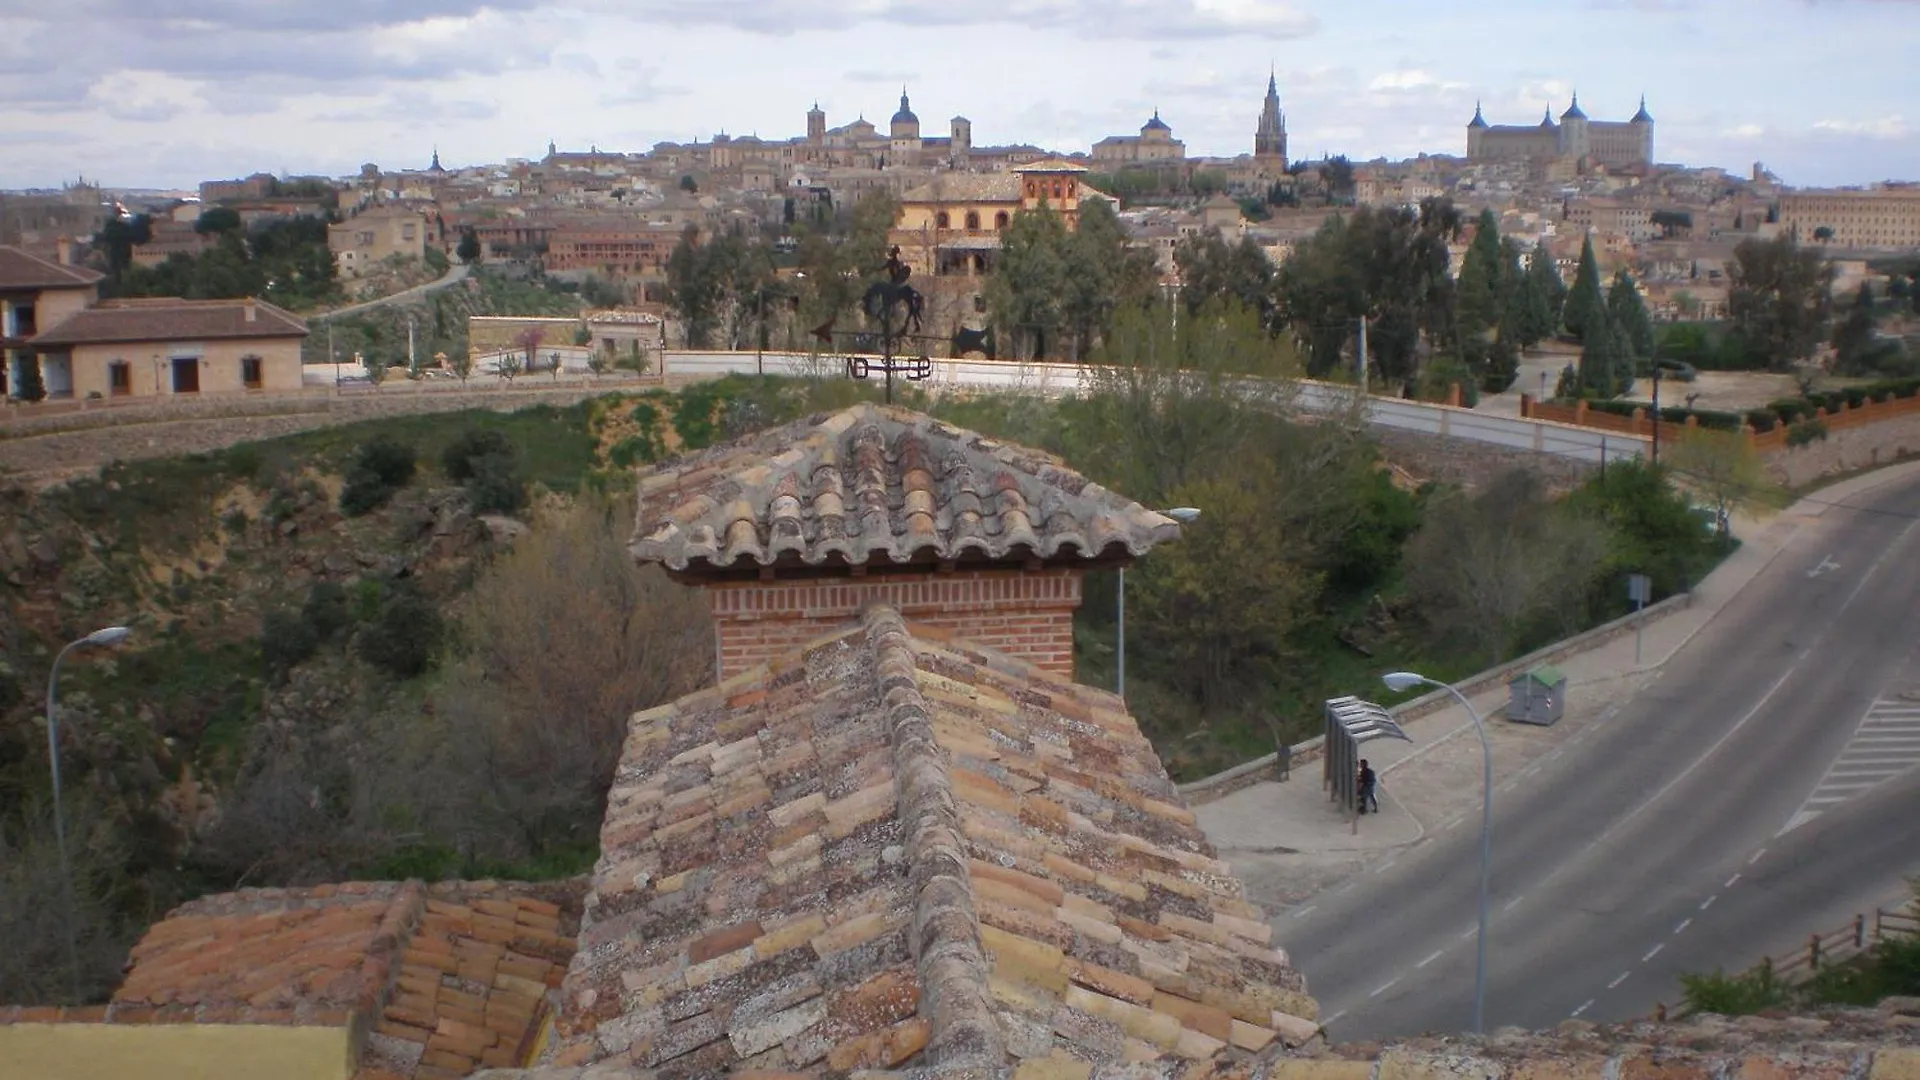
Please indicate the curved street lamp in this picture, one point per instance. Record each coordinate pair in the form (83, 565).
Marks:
(1185, 515)
(111, 635)
(1407, 680)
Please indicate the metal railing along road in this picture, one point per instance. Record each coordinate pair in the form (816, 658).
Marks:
(1821, 952)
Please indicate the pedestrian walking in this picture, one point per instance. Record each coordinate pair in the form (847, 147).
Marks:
(1367, 782)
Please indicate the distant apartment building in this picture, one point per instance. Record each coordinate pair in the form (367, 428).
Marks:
(1612, 219)
(372, 236)
(257, 186)
(613, 247)
(1154, 143)
(168, 238)
(1575, 137)
(1879, 217)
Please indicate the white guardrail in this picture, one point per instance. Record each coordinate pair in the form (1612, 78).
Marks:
(1590, 445)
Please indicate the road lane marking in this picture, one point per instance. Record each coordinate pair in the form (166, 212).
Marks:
(1381, 990)
(1732, 881)
(1584, 1006)
(1884, 744)
(1332, 1018)
(1382, 868)
(1756, 856)
(1708, 902)
(1471, 930)
(1344, 891)
(1618, 979)
(1511, 904)
(1306, 911)
(1653, 952)
(1688, 921)
(1430, 959)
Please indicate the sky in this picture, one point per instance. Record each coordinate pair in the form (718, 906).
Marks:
(166, 93)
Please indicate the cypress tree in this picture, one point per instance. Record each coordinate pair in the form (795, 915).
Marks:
(32, 387)
(1602, 358)
(1481, 282)
(1585, 305)
(1630, 313)
(1541, 291)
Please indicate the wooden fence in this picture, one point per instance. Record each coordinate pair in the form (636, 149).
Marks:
(1640, 423)
(1823, 951)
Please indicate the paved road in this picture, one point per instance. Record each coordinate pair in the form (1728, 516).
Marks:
(1600, 856)
(454, 275)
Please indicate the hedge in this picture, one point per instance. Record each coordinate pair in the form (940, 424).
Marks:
(1673, 414)
(1786, 411)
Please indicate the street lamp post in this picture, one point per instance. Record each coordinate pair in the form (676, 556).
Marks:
(107, 636)
(1407, 680)
(1184, 515)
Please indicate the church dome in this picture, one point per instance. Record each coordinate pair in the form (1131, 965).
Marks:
(1478, 120)
(1155, 124)
(905, 115)
(1573, 111)
(1642, 117)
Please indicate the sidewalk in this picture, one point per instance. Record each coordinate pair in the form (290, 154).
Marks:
(1287, 841)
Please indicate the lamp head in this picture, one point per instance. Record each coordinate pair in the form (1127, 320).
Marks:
(1183, 514)
(112, 635)
(1403, 680)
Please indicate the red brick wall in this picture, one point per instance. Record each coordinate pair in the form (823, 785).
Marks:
(1028, 615)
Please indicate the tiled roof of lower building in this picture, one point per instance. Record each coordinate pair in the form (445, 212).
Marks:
(22, 270)
(173, 319)
(445, 978)
(892, 850)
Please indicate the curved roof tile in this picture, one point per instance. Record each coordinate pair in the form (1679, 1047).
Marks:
(874, 484)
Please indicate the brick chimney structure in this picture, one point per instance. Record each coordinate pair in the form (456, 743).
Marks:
(795, 531)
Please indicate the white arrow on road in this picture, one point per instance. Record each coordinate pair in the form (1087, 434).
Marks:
(1826, 564)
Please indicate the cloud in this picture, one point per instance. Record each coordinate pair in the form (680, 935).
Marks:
(1409, 80)
(1884, 127)
(896, 77)
(1149, 20)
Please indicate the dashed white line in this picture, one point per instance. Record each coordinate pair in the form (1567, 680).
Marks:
(1708, 902)
(1332, 1018)
(1756, 856)
(1618, 979)
(1349, 888)
(1381, 990)
(1584, 1006)
(1684, 923)
(1732, 881)
(1469, 932)
(1511, 904)
(1382, 868)
(1430, 959)
(1653, 952)
(1306, 911)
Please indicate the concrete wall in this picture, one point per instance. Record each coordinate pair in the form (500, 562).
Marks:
(1847, 449)
(150, 366)
(71, 1051)
(54, 306)
(1026, 615)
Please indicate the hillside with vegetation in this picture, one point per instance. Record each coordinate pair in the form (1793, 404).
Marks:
(408, 647)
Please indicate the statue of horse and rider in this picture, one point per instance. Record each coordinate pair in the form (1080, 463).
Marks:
(882, 298)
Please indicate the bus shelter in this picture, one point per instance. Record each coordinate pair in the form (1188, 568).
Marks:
(1351, 722)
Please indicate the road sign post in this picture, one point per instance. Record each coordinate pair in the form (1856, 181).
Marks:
(1639, 590)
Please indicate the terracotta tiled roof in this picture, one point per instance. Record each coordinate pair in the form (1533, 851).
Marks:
(967, 187)
(170, 319)
(891, 850)
(880, 484)
(19, 270)
(267, 955)
(472, 987)
(447, 978)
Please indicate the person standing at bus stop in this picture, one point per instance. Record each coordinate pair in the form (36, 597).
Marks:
(1367, 781)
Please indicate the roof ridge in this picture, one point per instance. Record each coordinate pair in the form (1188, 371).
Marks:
(381, 966)
(948, 956)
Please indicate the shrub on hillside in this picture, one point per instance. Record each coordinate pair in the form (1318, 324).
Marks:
(381, 468)
(1733, 995)
(404, 634)
(458, 458)
(286, 639)
(495, 484)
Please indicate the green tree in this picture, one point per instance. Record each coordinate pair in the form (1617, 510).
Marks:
(1103, 274)
(698, 275)
(1028, 284)
(216, 220)
(1853, 336)
(1606, 359)
(1212, 271)
(32, 387)
(1540, 295)
(1779, 300)
(117, 238)
(1629, 314)
(469, 248)
(688, 183)
(1585, 306)
(1482, 281)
